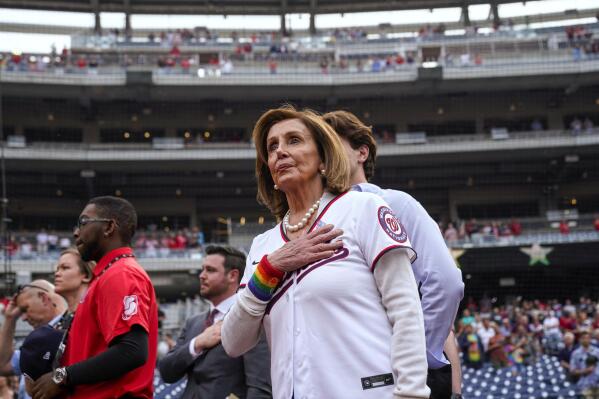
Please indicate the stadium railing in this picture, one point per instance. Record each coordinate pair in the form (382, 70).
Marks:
(211, 151)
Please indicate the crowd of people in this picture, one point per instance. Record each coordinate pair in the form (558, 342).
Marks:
(516, 334)
(149, 243)
(579, 126)
(472, 230)
(281, 50)
(340, 270)
(583, 42)
(155, 243)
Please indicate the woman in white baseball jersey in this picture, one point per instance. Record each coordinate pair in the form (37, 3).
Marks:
(339, 305)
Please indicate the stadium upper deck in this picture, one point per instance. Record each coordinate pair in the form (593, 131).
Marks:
(231, 7)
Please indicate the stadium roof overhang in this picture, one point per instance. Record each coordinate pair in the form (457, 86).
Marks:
(237, 7)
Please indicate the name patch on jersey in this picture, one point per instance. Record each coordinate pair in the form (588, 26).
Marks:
(377, 381)
(391, 225)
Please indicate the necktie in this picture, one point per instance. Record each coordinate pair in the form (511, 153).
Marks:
(210, 319)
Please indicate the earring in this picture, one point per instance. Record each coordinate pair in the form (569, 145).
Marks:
(276, 187)
(322, 171)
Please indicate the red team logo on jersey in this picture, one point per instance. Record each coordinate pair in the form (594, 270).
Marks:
(391, 225)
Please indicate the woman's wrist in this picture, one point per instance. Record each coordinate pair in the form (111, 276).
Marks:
(265, 280)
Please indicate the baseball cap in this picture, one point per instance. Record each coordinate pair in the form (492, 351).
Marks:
(38, 351)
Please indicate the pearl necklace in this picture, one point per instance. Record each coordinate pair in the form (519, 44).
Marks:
(295, 227)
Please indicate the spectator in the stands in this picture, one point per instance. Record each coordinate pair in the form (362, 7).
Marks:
(52, 241)
(576, 125)
(64, 243)
(595, 324)
(583, 322)
(567, 322)
(516, 227)
(563, 227)
(596, 223)
(471, 347)
(272, 66)
(551, 331)
(26, 249)
(42, 242)
(450, 234)
(496, 349)
(583, 363)
(565, 354)
(505, 327)
(536, 125)
(467, 318)
(588, 125)
(485, 332)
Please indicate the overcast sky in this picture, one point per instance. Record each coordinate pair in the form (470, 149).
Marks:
(32, 42)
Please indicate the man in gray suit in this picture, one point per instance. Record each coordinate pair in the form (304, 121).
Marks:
(199, 353)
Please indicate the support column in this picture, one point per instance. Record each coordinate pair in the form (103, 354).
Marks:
(555, 120)
(480, 124)
(283, 15)
(170, 131)
(465, 16)
(91, 133)
(495, 14)
(127, 8)
(97, 23)
(313, 17)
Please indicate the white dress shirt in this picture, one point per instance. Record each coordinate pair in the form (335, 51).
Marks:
(222, 308)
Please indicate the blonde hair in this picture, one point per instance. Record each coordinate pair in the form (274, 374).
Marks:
(336, 178)
(86, 268)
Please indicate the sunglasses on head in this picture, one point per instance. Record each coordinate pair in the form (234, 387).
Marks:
(22, 287)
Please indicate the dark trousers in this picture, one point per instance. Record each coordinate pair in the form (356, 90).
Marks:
(439, 381)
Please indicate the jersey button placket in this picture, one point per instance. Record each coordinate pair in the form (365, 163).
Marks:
(291, 298)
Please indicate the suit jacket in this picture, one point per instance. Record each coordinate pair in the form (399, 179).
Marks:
(213, 374)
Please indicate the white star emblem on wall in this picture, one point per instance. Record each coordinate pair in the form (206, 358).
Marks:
(538, 254)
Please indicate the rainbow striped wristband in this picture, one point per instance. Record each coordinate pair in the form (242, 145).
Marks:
(264, 280)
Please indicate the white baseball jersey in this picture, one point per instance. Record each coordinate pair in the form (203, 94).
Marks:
(329, 334)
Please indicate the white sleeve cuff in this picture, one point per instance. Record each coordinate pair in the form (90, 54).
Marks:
(192, 348)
